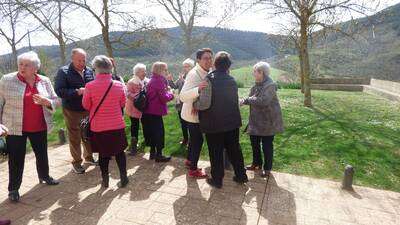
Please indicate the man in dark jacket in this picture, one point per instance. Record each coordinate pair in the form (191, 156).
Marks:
(69, 85)
(221, 122)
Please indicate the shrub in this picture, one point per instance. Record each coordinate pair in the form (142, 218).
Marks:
(283, 85)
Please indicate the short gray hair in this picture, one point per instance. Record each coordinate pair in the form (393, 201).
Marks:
(137, 67)
(30, 56)
(263, 67)
(78, 50)
(102, 64)
(188, 61)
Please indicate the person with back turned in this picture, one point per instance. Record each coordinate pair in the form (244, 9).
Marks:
(221, 121)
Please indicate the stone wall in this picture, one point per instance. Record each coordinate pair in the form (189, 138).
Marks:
(348, 81)
(386, 85)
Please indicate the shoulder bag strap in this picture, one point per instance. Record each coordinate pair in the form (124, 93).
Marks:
(101, 101)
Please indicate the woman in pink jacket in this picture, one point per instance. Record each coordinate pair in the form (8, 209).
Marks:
(134, 86)
(107, 123)
(158, 95)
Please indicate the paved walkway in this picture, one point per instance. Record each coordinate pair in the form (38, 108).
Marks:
(163, 194)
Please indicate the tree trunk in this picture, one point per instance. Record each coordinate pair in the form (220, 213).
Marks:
(188, 44)
(305, 62)
(14, 63)
(301, 71)
(62, 47)
(60, 37)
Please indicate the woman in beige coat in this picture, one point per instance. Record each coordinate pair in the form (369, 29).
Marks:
(27, 102)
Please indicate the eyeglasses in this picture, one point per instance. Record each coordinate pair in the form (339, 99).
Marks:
(206, 58)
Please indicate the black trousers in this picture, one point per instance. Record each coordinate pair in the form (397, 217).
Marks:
(16, 160)
(268, 150)
(195, 144)
(120, 158)
(184, 127)
(229, 141)
(135, 126)
(154, 133)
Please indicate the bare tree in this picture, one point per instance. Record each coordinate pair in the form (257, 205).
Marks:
(11, 17)
(186, 14)
(114, 14)
(308, 16)
(50, 15)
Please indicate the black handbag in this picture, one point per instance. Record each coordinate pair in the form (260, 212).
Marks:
(140, 101)
(3, 147)
(84, 125)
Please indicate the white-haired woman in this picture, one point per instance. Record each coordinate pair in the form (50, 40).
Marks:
(107, 123)
(134, 86)
(27, 102)
(265, 119)
(187, 65)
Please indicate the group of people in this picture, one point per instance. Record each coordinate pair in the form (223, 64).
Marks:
(206, 99)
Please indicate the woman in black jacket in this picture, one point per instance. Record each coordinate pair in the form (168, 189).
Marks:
(221, 121)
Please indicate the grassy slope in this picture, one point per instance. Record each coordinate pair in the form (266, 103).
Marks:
(244, 75)
(343, 128)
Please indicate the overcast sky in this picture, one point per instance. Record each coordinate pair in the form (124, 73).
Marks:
(83, 26)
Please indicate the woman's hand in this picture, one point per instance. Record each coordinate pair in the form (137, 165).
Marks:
(241, 102)
(3, 130)
(170, 77)
(194, 112)
(37, 99)
(203, 85)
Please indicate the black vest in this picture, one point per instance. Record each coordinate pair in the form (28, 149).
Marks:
(223, 114)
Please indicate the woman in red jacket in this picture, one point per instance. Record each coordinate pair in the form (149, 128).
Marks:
(107, 124)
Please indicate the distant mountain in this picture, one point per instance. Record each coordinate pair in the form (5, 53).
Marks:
(374, 51)
(242, 45)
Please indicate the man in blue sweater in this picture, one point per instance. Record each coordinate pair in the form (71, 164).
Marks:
(69, 85)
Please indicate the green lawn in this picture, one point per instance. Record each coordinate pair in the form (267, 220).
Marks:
(245, 75)
(342, 128)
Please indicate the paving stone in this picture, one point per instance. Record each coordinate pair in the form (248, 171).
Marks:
(164, 194)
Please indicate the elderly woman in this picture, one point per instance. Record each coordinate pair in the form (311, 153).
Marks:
(187, 65)
(265, 119)
(104, 98)
(134, 86)
(158, 95)
(27, 102)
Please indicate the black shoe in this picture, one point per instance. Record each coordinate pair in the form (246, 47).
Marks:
(124, 181)
(48, 181)
(240, 180)
(134, 147)
(78, 169)
(184, 142)
(212, 183)
(92, 162)
(162, 158)
(13, 196)
(132, 152)
(105, 182)
(265, 173)
(152, 154)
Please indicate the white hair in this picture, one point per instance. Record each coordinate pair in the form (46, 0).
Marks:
(188, 61)
(263, 67)
(30, 56)
(137, 67)
(102, 64)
